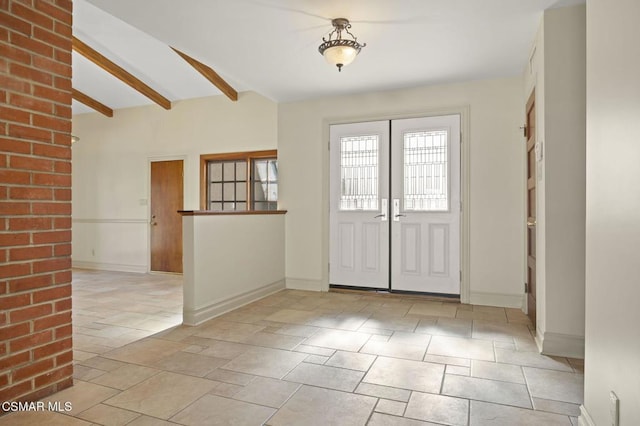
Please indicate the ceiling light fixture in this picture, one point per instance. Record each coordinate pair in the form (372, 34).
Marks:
(340, 51)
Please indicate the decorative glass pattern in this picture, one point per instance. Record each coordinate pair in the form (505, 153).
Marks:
(359, 172)
(426, 176)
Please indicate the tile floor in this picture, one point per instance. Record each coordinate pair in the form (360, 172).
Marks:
(304, 358)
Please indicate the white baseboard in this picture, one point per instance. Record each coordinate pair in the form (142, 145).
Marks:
(558, 344)
(200, 315)
(585, 418)
(81, 264)
(496, 299)
(304, 284)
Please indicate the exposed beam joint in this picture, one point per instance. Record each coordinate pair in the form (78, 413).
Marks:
(119, 72)
(210, 75)
(91, 103)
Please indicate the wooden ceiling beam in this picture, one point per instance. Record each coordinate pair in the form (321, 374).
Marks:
(210, 75)
(91, 103)
(119, 72)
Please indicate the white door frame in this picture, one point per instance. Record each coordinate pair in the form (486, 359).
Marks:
(465, 184)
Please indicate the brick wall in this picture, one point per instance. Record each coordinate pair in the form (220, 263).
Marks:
(35, 198)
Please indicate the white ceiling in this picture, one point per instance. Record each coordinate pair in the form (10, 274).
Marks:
(270, 46)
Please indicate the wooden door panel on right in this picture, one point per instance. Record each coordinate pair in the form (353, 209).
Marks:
(531, 207)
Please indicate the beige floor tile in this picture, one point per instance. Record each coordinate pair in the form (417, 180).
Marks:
(487, 414)
(457, 370)
(461, 348)
(108, 416)
(214, 410)
(387, 406)
(191, 364)
(271, 340)
(269, 392)
(126, 376)
(495, 316)
(298, 330)
(101, 363)
(395, 350)
(380, 419)
(386, 392)
(82, 395)
(449, 360)
(556, 407)
(435, 309)
(80, 372)
(555, 385)
(145, 352)
(37, 418)
(438, 409)
(532, 359)
(486, 390)
(231, 377)
(311, 406)
(405, 338)
(350, 322)
(314, 350)
(445, 327)
(228, 331)
(292, 316)
(392, 323)
(150, 421)
(351, 360)
(316, 359)
(110, 310)
(220, 349)
(325, 377)
(226, 390)
(400, 373)
(162, 395)
(265, 362)
(496, 371)
(499, 331)
(338, 339)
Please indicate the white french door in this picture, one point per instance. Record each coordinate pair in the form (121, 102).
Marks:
(395, 205)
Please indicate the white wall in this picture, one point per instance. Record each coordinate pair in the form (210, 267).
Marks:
(613, 230)
(565, 150)
(496, 175)
(557, 71)
(230, 260)
(111, 167)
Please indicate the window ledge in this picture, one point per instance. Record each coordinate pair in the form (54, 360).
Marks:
(228, 212)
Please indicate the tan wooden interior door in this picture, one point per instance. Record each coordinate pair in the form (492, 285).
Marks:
(167, 192)
(531, 208)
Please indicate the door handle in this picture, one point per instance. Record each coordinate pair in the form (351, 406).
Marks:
(396, 210)
(384, 209)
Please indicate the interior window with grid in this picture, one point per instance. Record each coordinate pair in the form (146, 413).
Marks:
(240, 181)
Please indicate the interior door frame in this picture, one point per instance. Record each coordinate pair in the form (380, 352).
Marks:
(185, 185)
(463, 111)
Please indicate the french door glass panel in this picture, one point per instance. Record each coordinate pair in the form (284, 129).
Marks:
(394, 204)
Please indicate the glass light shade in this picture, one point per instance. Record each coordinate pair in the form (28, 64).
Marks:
(340, 55)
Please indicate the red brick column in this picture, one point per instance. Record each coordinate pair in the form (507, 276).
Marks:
(35, 198)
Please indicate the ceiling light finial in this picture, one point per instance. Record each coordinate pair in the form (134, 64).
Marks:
(340, 51)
